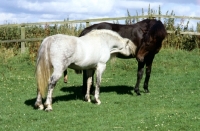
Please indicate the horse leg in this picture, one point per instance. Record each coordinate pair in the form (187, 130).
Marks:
(52, 83)
(149, 62)
(100, 70)
(85, 78)
(65, 76)
(89, 74)
(139, 77)
(84, 88)
(146, 81)
(38, 103)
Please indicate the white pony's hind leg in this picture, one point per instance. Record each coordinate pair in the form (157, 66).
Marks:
(52, 83)
(100, 69)
(38, 103)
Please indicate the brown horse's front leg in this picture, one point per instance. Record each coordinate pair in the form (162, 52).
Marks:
(84, 88)
(149, 62)
(139, 77)
(147, 77)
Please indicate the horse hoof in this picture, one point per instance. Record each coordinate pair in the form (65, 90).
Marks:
(137, 92)
(87, 100)
(146, 91)
(65, 80)
(48, 108)
(41, 107)
(98, 102)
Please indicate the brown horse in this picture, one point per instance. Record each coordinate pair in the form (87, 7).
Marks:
(147, 35)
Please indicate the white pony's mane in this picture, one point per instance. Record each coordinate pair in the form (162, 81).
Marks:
(114, 34)
(105, 31)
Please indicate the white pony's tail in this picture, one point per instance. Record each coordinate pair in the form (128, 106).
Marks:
(44, 66)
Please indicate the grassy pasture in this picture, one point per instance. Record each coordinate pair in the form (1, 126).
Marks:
(172, 104)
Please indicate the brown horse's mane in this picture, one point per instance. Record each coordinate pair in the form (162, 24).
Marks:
(157, 30)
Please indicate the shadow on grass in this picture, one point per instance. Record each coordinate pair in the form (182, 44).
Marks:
(75, 92)
(121, 89)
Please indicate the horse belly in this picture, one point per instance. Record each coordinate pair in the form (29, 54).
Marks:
(90, 60)
(87, 61)
(79, 66)
(82, 61)
(89, 53)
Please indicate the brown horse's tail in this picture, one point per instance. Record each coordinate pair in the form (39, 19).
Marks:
(43, 67)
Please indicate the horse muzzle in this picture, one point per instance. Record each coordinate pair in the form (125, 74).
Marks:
(140, 58)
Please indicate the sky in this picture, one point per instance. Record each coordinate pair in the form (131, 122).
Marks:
(31, 11)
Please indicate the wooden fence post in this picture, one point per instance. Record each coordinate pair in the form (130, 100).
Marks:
(22, 37)
(87, 23)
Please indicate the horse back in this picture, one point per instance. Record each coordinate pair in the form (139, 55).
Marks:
(103, 25)
(131, 32)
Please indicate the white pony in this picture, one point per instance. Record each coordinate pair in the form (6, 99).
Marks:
(58, 52)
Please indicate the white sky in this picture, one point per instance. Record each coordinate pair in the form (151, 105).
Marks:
(28, 11)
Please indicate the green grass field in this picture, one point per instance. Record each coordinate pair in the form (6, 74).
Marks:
(173, 103)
